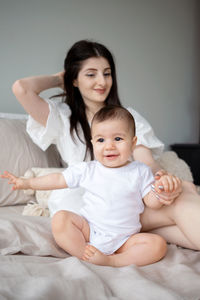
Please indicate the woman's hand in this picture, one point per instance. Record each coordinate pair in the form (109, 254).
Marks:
(60, 76)
(167, 187)
(160, 173)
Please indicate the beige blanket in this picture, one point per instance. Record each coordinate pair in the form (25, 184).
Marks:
(42, 271)
(46, 272)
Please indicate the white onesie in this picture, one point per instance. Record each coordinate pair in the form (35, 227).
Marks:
(112, 200)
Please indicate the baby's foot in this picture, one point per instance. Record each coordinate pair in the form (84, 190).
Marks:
(94, 256)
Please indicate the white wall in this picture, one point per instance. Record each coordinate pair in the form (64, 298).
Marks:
(154, 43)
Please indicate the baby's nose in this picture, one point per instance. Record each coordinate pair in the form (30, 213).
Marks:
(110, 144)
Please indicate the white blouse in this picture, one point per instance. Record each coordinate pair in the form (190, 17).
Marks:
(57, 131)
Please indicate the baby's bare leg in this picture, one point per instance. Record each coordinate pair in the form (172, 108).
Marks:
(71, 232)
(140, 249)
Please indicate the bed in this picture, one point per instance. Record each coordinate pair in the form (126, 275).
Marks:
(32, 266)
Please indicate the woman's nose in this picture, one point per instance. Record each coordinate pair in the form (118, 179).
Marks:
(101, 80)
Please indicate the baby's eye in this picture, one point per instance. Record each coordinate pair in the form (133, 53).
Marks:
(118, 139)
(100, 140)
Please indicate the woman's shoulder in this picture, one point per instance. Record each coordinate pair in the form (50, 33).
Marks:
(57, 125)
(138, 117)
(145, 134)
(142, 125)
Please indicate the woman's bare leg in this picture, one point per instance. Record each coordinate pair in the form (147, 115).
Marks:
(140, 249)
(172, 234)
(178, 223)
(71, 232)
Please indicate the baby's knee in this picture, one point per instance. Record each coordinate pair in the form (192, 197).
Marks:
(160, 246)
(60, 220)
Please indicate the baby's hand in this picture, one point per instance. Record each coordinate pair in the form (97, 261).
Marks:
(167, 183)
(18, 183)
(167, 188)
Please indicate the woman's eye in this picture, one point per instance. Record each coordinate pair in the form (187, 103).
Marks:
(90, 75)
(118, 139)
(100, 140)
(107, 74)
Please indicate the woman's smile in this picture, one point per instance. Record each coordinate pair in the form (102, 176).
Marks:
(100, 91)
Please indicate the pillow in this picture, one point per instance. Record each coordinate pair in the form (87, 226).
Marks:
(74, 197)
(40, 207)
(13, 116)
(18, 153)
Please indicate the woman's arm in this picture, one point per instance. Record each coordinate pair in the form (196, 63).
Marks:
(143, 154)
(27, 92)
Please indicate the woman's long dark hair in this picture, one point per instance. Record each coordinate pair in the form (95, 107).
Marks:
(79, 52)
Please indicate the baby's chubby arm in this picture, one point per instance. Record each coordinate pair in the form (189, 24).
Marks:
(49, 182)
(151, 200)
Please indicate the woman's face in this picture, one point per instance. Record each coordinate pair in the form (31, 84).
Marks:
(94, 80)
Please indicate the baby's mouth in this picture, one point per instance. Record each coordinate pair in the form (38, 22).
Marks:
(111, 156)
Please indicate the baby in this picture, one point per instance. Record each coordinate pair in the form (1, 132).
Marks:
(107, 231)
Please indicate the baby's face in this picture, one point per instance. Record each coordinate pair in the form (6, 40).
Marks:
(113, 142)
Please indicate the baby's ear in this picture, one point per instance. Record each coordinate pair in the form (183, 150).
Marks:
(134, 141)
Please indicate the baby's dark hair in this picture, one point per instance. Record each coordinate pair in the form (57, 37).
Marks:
(114, 112)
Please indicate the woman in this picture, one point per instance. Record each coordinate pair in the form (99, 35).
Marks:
(89, 83)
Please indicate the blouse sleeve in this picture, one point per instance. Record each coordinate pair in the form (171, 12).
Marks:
(45, 136)
(145, 134)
